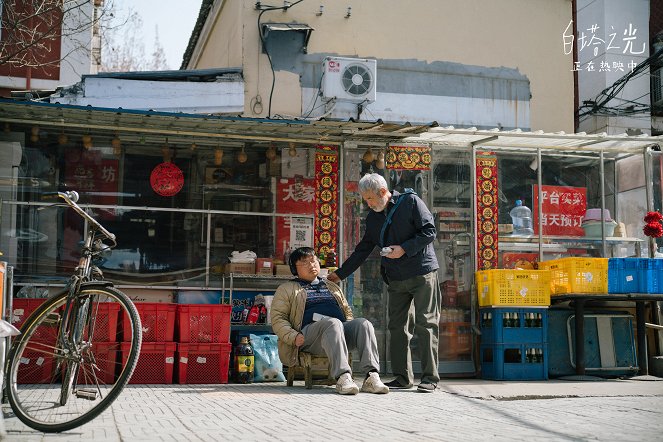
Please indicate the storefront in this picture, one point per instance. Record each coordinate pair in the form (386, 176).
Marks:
(182, 192)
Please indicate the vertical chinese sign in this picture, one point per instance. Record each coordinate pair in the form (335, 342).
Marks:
(294, 196)
(326, 198)
(486, 170)
(562, 208)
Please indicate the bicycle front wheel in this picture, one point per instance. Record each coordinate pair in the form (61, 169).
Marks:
(72, 361)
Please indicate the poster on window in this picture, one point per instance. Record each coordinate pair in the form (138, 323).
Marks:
(301, 232)
(295, 196)
(563, 209)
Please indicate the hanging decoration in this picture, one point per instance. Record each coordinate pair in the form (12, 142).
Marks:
(34, 134)
(326, 198)
(271, 153)
(241, 156)
(167, 179)
(117, 145)
(487, 209)
(218, 156)
(87, 141)
(379, 163)
(291, 150)
(409, 157)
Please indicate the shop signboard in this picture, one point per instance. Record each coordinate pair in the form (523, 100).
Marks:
(563, 208)
(295, 196)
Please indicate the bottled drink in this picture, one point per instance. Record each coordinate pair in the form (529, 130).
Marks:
(521, 217)
(323, 259)
(490, 319)
(505, 320)
(244, 360)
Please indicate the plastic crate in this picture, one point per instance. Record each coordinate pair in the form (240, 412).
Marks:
(105, 327)
(202, 323)
(105, 358)
(455, 340)
(577, 275)
(203, 363)
(650, 275)
(623, 275)
(22, 308)
(513, 325)
(157, 320)
(155, 362)
(513, 287)
(510, 362)
(37, 367)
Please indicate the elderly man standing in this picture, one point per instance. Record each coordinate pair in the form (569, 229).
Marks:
(403, 227)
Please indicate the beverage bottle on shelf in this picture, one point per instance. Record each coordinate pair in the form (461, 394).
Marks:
(521, 217)
(323, 259)
(490, 319)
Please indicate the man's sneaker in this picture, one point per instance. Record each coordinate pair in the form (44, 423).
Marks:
(345, 385)
(426, 387)
(397, 385)
(373, 384)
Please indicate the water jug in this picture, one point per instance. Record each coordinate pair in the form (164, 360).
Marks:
(521, 217)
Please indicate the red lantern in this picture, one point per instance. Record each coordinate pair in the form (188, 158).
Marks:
(167, 179)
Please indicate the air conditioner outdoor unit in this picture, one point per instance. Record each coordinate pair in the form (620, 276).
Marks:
(349, 79)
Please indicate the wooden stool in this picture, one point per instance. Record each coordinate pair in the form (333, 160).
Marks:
(310, 363)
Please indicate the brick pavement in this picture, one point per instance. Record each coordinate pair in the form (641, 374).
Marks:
(461, 410)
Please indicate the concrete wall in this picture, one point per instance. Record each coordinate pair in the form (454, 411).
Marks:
(522, 38)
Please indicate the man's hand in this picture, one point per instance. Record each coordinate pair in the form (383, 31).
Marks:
(299, 340)
(397, 252)
(333, 277)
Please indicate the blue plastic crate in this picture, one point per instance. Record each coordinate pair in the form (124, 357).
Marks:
(650, 275)
(531, 325)
(623, 275)
(511, 362)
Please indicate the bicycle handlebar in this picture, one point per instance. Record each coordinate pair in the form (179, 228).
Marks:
(71, 197)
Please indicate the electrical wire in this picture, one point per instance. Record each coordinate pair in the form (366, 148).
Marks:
(599, 106)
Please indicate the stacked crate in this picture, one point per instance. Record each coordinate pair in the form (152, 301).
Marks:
(38, 367)
(204, 343)
(513, 306)
(157, 353)
(635, 275)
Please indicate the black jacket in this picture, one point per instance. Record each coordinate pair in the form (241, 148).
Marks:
(412, 228)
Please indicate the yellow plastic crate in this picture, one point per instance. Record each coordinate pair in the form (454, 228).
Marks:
(501, 287)
(577, 275)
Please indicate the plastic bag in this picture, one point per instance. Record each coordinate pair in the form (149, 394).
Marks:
(268, 366)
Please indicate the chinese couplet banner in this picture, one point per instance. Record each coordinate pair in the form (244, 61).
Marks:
(326, 198)
(563, 209)
(295, 196)
(486, 170)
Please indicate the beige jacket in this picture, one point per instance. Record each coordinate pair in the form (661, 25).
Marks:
(287, 314)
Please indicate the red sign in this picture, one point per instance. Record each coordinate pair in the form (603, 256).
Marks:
(563, 209)
(167, 179)
(295, 196)
(487, 207)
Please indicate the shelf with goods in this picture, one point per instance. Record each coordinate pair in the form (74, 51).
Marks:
(451, 221)
(514, 249)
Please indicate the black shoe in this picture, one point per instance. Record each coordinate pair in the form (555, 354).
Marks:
(397, 385)
(426, 387)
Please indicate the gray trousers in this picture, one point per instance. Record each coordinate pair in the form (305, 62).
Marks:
(424, 291)
(333, 338)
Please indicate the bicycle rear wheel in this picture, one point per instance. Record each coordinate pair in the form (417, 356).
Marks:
(58, 380)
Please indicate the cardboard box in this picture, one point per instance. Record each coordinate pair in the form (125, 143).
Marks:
(282, 270)
(264, 266)
(241, 268)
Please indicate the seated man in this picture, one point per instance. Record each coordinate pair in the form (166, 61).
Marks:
(312, 315)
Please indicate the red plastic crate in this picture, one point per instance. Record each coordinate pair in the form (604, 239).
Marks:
(157, 319)
(203, 363)
(22, 308)
(204, 322)
(155, 362)
(105, 328)
(36, 367)
(105, 358)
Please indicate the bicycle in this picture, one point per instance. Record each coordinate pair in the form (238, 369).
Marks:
(65, 367)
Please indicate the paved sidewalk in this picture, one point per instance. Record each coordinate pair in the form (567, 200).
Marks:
(461, 410)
